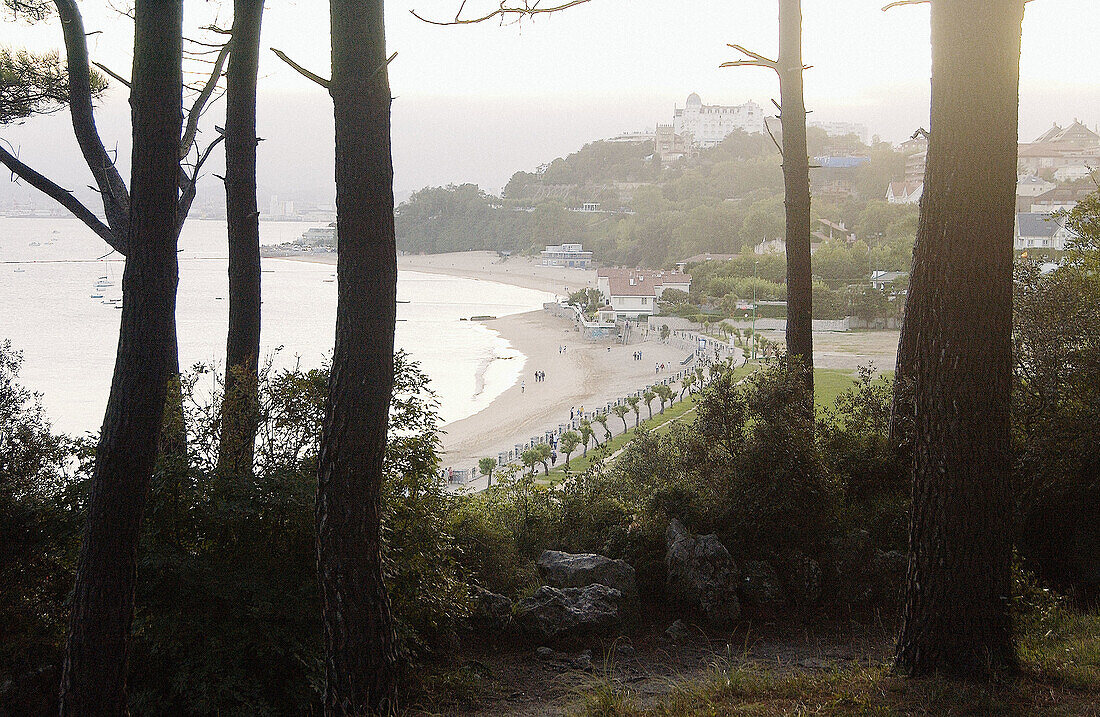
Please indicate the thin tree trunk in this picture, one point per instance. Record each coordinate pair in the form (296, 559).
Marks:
(957, 349)
(796, 187)
(240, 407)
(94, 673)
(361, 666)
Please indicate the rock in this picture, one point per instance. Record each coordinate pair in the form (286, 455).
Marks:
(547, 654)
(802, 576)
(760, 587)
(623, 651)
(490, 612)
(701, 575)
(582, 661)
(570, 613)
(568, 570)
(676, 632)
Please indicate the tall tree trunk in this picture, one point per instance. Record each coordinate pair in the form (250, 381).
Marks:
(94, 673)
(796, 187)
(360, 654)
(240, 410)
(956, 349)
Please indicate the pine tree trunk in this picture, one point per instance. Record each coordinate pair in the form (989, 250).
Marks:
(240, 409)
(796, 187)
(956, 350)
(360, 654)
(94, 673)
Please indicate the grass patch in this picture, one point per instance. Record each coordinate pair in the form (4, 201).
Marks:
(579, 463)
(1059, 675)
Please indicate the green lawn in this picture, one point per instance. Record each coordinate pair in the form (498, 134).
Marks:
(828, 384)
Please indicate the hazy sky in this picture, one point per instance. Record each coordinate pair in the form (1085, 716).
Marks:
(475, 103)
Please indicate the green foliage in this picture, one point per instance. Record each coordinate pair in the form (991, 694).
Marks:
(726, 200)
(35, 83)
(39, 525)
(1056, 412)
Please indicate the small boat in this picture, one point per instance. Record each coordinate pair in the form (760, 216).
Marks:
(35, 243)
(19, 270)
(97, 296)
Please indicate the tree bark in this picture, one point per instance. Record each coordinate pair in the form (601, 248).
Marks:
(94, 672)
(360, 644)
(240, 409)
(955, 350)
(796, 187)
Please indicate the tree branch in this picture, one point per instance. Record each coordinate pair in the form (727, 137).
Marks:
(755, 60)
(116, 197)
(187, 195)
(112, 74)
(63, 197)
(301, 70)
(504, 11)
(192, 126)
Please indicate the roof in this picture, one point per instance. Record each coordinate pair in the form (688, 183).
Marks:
(640, 282)
(1031, 224)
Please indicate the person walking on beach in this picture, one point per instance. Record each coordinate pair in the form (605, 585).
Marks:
(522, 386)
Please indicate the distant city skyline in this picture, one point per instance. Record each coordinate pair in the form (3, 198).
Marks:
(475, 104)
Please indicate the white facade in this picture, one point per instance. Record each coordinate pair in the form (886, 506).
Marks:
(568, 255)
(710, 124)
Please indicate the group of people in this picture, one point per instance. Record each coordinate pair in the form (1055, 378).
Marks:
(637, 355)
(540, 376)
(561, 349)
(658, 367)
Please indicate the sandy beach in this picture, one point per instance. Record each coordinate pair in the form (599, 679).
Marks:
(487, 265)
(585, 375)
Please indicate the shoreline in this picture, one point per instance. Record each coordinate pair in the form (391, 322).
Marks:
(487, 266)
(587, 374)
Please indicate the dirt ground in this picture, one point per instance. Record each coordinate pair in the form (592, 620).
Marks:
(521, 683)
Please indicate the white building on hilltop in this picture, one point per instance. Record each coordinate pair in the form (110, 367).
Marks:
(710, 124)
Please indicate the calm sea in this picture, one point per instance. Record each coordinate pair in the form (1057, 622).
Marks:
(48, 274)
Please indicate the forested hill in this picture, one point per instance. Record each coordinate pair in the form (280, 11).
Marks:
(723, 199)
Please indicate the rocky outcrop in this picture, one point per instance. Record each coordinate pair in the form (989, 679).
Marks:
(569, 570)
(760, 587)
(563, 614)
(701, 575)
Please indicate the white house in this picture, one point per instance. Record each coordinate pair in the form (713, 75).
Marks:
(633, 293)
(1040, 231)
(904, 192)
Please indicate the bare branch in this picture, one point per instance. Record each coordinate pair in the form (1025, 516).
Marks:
(755, 60)
(899, 3)
(112, 74)
(63, 197)
(301, 70)
(187, 196)
(529, 8)
(192, 126)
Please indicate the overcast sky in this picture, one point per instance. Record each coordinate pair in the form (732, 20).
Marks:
(476, 103)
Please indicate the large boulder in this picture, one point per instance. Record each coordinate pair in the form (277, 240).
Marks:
(760, 587)
(569, 570)
(701, 575)
(489, 612)
(562, 614)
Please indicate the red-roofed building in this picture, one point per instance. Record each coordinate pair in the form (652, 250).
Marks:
(633, 293)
